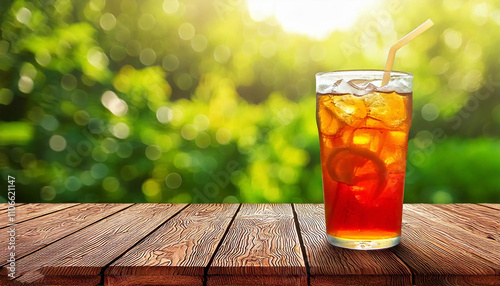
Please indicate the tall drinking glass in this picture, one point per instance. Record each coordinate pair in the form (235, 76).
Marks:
(363, 132)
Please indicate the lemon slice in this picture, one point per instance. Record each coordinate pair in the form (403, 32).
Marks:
(353, 165)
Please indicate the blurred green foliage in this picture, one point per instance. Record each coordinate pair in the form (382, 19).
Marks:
(193, 101)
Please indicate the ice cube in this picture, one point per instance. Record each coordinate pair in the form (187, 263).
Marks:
(361, 87)
(394, 152)
(340, 87)
(386, 107)
(324, 89)
(337, 83)
(400, 86)
(329, 124)
(351, 109)
(370, 139)
(355, 87)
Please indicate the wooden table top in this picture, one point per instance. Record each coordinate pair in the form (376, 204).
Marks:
(247, 244)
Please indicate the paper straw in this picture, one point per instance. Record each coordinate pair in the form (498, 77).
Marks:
(392, 51)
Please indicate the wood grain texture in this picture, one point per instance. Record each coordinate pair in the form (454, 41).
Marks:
(4, 206)
(251, 280)
(439, 254)
(42, 231)
(261, 242)
(29, 211)
(487, 249)
(129, 280)
(158, 244)
(493, 206)
(329, 265)
(176, 253)
(85, 253)
(481, 221)
(72, 280)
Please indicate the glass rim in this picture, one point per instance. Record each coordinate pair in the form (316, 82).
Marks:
(366, 72)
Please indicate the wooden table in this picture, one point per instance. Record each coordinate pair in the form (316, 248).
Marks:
(248, 244)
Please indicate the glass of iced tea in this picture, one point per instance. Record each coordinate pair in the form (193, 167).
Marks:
(363, 132)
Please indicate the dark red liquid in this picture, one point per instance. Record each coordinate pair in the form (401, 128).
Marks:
(363, 157)
(353, 215)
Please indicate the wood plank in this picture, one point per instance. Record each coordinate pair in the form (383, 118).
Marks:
(261, 246)
(178, 252)
(478, 220)
(493, 206)
(487, 249)
(42, 231)
(252, 280)
(4, 206)
(137, 280)
(438, 254)
(329, 265)
(29, 211)
(84, 254)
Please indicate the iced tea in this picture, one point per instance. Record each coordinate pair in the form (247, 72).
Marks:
(363, 131)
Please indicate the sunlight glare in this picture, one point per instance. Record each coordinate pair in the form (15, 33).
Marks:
(313, 18)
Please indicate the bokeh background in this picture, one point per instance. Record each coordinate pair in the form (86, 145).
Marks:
(214, 101)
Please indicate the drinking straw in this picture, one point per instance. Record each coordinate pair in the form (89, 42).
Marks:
(392, 51)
